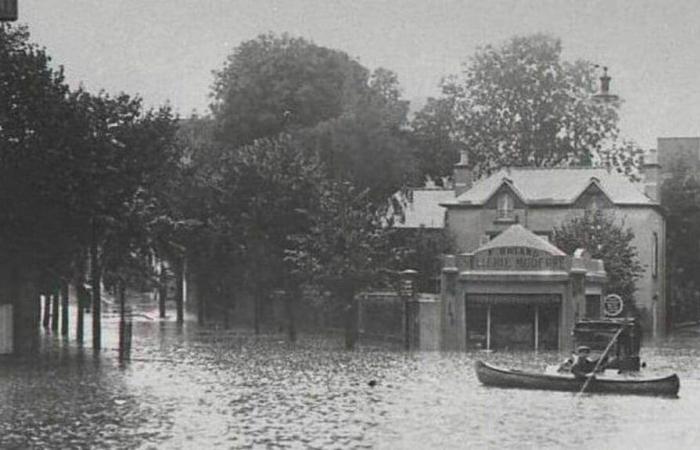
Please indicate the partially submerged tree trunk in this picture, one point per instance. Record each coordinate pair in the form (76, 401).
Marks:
(122, 320)
(292, 295)
(179, 290)
(54, 310)
(47, 310)
(351, 323)
(80, 314)
(201, 308)
(64, 309)
(256, 310)
(95, 279)
(82, 299)
(162, 290)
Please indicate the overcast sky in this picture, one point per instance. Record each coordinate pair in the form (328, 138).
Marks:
(165, 50)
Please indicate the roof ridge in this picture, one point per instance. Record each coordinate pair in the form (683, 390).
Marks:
(558, 168)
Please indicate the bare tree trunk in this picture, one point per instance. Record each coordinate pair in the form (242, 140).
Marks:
(47, 310)
(122, 320)
(64, 309)
(54, 311)
(80, 312)
(227, 317)
(179, 290)
(200, 308)
(351, 331)
(95, 279)
(162, 290)
(256, 310)
(82, 298)
(291, 304)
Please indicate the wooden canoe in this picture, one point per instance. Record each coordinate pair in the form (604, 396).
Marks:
(509, 378)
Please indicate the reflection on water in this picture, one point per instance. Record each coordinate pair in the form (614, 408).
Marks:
(197, 388)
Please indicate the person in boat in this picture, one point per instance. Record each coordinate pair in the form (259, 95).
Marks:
(580, 363)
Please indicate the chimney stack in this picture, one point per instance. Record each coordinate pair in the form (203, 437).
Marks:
(462, 174)
(650, 175)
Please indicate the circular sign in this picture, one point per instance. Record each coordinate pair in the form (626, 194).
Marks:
(613, 305)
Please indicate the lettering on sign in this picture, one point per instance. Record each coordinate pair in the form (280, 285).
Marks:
(8, 10)
(517, 258)
(613, 305)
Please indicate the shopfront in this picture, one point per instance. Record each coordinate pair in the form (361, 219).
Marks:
(518, 291)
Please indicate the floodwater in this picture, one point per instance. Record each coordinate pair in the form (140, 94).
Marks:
(201, 388)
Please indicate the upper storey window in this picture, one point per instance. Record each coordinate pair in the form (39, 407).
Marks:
(505, 206)
(596, 203)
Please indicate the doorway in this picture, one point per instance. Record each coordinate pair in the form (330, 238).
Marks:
(513, 322)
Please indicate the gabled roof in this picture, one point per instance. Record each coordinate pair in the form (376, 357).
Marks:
(420, 208)
(519, 236)
(555, 186)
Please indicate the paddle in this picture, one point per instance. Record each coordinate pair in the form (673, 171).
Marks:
(600, 360)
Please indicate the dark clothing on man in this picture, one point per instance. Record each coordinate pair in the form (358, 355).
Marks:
(582, 366)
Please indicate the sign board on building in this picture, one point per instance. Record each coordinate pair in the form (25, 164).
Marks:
(517, 258)
(8, 10)
(613, 305)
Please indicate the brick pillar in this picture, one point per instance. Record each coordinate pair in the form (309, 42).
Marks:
(408, 296)
(574, 307)
(450, 320)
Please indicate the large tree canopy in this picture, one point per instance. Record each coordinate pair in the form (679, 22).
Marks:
(353, 118)
(520, 104)
(680, 196)
(605, 238)
(71, 159)
(272, 83)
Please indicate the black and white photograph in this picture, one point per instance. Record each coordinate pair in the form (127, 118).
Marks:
(349, 224)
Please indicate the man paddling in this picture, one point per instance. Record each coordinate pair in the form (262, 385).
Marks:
(580, 363)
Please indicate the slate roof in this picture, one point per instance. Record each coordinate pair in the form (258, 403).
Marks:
(421, 208)
(519, 236)
(555, 186)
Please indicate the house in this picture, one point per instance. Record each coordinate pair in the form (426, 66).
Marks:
(539, 199)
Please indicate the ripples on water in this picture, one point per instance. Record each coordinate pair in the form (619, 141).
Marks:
(201, 389)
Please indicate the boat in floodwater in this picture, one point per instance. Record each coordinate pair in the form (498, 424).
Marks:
(600, 383)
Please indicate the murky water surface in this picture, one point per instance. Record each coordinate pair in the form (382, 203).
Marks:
(202, 389)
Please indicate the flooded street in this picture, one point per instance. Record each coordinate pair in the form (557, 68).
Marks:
(200, 388)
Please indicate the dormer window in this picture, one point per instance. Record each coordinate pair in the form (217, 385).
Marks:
(505, 206)
(596, 203)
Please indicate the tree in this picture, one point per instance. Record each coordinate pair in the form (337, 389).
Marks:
(249, 201)
(680, 196)
(421, 249)
(344, 248)
(521, 105)
(275, 185)
(353, 119)
(273, 83)
(433, 138)
(607, 239)
(76, 170)
(37, 154)
(127, 154)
